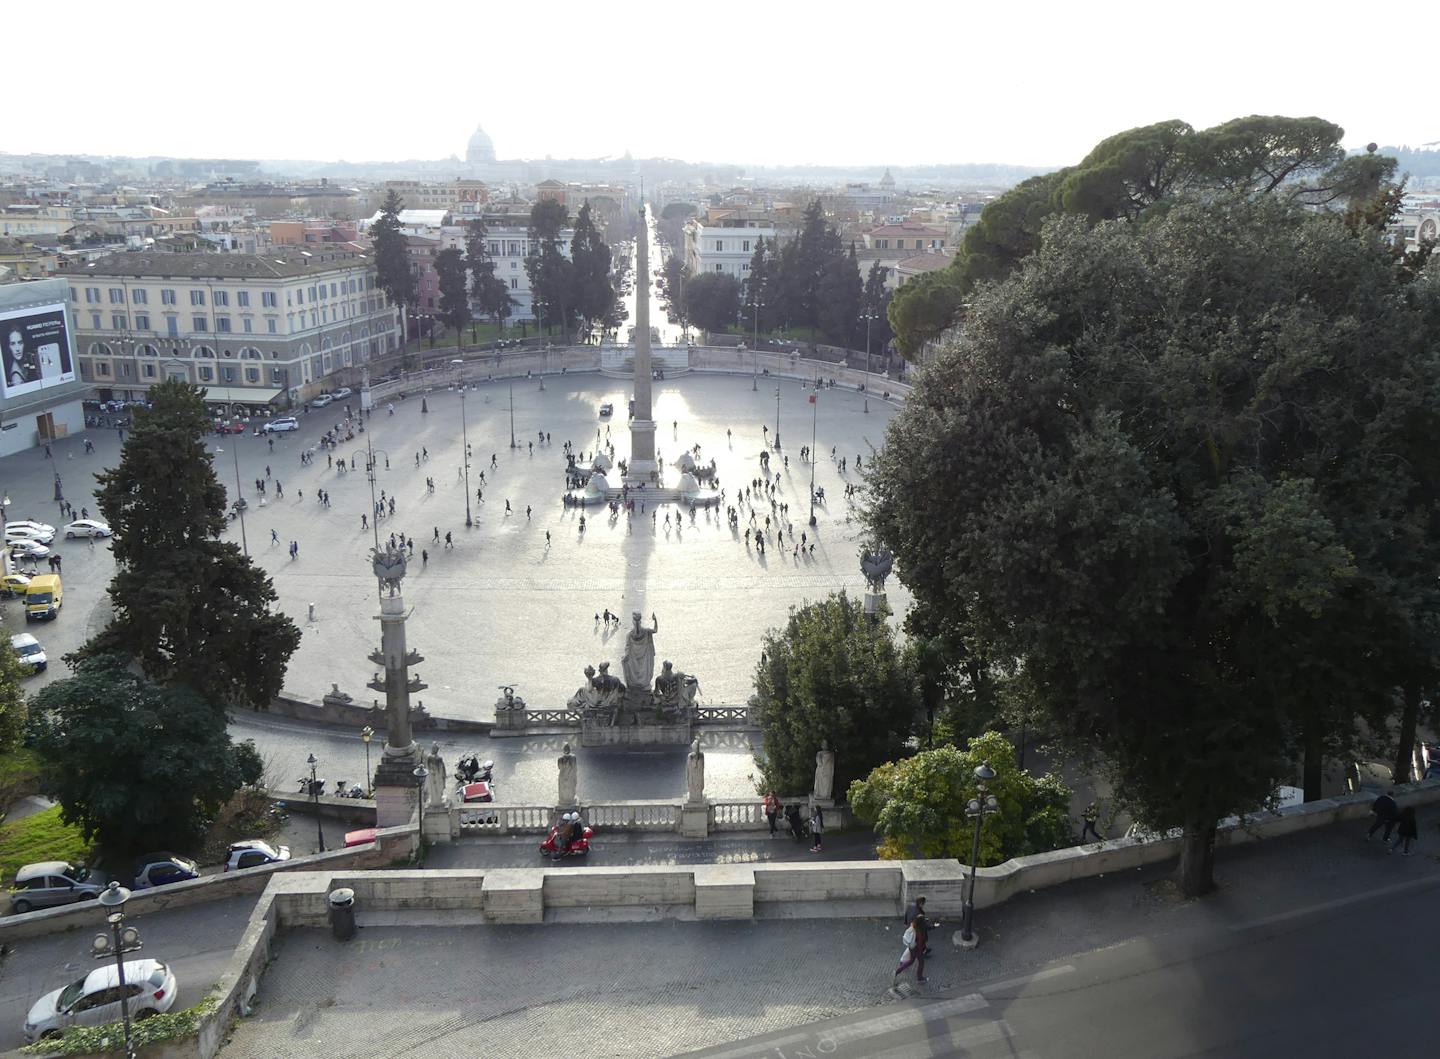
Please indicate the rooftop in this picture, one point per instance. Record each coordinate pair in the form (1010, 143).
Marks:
(279, 265)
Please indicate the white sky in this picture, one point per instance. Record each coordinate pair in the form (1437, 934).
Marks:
(774, 82)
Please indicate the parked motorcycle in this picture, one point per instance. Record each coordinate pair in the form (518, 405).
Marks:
(578, 848)
(344, 789)
(470, 770)
(312, 788)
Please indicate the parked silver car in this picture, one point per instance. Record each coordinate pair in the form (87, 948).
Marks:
(94, 1000)
(52, 882)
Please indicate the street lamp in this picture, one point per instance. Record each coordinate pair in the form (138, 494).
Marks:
(977, 809)
(869, 318)
(512, 416)
(118, 942)
(421, 773)
(777, 415)
(465, 438)
(315, 797)
(239, 499)
(755, 350)
(366, 734)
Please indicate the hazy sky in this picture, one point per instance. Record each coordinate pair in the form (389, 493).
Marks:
(779, 82)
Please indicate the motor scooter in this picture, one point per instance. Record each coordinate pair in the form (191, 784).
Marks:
(312, 788)
(470, 770)
(578, 848)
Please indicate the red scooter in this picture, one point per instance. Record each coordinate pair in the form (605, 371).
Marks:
(578, 848)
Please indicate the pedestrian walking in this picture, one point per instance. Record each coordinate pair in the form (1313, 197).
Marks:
(1386, 814)
(817, 829)
(917, 907)
(1090, 817)
(364, 521)
(424, 556)
(507, 506)
(274, 537)
(916, 940)
(547, 538)
(449, 541)
(437, 534)
(772, 810)
(1407, 833)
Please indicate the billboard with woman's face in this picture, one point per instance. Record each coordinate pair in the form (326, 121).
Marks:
(35, 343)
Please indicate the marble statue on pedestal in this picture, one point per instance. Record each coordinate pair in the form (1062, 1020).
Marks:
(824, 773)
(435, 779)
(695, 774)
(639, 661)
(568, 777)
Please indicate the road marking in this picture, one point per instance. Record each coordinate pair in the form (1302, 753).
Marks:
(826, 1041)
(1026, 979)
(1340, 902)
(966, 1039)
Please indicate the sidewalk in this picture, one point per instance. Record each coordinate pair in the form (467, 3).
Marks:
(662, 988)
(612, 848)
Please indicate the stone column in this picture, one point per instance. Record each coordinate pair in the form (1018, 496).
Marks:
(642, 466)
(397, 793)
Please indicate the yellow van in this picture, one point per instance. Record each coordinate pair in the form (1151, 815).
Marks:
(44, 596)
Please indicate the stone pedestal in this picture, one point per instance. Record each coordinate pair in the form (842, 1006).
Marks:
(439, 824)
(694, 821)
(636, 736)
(397, 791)
(875, 602)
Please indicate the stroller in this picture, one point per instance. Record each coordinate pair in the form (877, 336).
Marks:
(799, 827)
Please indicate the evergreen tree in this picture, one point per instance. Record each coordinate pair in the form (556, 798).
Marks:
(875, 303)
(841, 289)
(454, 295)
(488, 291)
(552, 280)
(759, 288)
(593, 296)
(187, 605)
(392, 256)
(712, 301)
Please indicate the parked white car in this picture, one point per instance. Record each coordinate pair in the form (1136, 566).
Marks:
(282, 425)
(87, 527)
(321, 401)
(25, 523)
(28, 549)
(94, 1000)
(342, 393)
(25, 533)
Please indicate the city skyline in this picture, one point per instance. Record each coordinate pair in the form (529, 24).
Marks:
(943, 87)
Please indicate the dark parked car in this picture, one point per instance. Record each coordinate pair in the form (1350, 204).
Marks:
(160, 869)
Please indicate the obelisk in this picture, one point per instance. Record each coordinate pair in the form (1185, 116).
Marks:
(642, 466)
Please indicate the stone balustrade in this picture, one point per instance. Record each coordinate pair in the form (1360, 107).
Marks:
(632, 816)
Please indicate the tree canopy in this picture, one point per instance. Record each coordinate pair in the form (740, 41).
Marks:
(1177, 471)
(134, 765)
(832, 674)
(187, 605)
(488, 291)
(551, 273)
(712, 301)
(393, 272)
(454, 290)
(1128, 175)
(917, 804)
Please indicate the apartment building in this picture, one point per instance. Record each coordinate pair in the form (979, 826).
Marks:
(724, 241)
(258, 330)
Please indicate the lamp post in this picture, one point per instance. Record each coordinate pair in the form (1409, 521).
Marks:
(755, 350)
(512, 416)
(869, 319)
(315, 797)
(366, 734)
(977, 809)
(117, 943)
(421, 773)
(239, 499)
(465, 439)
(814, 421)
(777, 414)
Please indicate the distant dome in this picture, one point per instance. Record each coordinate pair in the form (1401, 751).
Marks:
(886, 181)
(481, 148)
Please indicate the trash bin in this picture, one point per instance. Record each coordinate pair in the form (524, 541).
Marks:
(342, 914)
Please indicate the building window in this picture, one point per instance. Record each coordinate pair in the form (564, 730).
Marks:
(247, 325)
(142, 322)
(252, 376)
(272, 327)
(274, 376)
(242, 299)
(197, 297)
(207, 373)
(172, 325)
(745, 246)
(117, 321)
(117, 295)
(514, 284)
(74, 295)
(267, 299)
(332, 290)
(323, 295)
(138, 296)
(222, 323)
(882, 244)
(227, 373)
(312, 295)
(200, 323)
(95, 321)
(148, 370)
(222, 297)
(102, 369)
(167, 297)
(719, 268)
(92, 294)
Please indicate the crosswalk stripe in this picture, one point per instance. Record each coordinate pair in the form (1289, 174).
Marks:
(909, 1018)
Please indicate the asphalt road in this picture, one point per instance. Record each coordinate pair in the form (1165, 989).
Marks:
(197, 942)
(1348, 977)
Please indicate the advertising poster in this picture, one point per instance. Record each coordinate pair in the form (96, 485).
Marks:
(36, 346)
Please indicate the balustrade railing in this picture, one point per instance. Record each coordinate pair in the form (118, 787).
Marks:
(500, 819)
(567, 718)
(737, 816)
(634, 816)
(722, 715)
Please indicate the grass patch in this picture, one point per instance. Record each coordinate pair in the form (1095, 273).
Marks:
(19, 776)
(40, 837)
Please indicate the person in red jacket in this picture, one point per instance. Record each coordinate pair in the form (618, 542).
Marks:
(772, 810)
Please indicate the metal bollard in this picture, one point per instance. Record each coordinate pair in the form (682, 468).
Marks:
(312, 612)
(342, 913)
